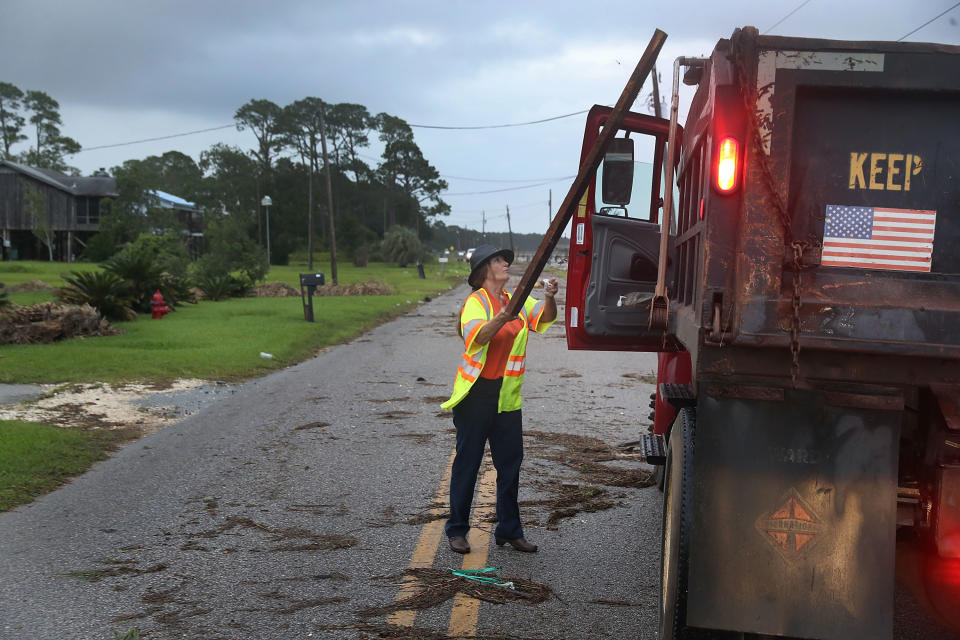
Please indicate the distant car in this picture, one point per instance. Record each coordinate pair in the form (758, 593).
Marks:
(469, 254)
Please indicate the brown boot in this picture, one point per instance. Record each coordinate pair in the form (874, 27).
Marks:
(459, 544)
(520, 544)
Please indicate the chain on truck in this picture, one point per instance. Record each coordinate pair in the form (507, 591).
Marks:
(800, 280)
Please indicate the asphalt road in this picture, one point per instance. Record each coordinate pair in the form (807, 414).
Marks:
(290, 508)
(293, 505)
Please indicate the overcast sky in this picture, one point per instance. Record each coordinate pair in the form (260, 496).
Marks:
(125, 70)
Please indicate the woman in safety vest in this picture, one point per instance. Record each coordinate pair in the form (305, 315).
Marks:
(486, 394)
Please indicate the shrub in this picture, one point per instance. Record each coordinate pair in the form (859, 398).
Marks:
(103, 290)
(231, 249)
(361, 256)
(223, 286)
(401, 245)
(142, 274)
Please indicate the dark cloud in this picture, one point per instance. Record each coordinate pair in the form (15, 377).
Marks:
(129, 69)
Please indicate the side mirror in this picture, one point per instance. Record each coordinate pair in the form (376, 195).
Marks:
(618, 172)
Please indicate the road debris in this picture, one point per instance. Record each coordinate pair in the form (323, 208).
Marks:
(439, 585)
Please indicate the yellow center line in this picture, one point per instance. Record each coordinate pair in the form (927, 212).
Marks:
(426, 549)
(463, 618)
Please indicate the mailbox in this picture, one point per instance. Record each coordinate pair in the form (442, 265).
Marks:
(308, 286)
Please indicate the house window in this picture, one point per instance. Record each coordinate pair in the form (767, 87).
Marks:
(88, 210)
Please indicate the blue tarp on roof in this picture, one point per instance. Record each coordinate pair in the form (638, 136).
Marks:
(170, 200)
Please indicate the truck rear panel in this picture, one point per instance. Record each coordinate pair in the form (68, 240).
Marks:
(853, 151)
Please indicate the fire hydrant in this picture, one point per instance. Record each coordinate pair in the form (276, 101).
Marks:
(158, 306)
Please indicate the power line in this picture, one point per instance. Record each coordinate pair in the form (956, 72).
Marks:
(500, 126)
(419, 126)
(175, 135)
(937, 17)
(497, 180)
(777, 24)
(478, 193)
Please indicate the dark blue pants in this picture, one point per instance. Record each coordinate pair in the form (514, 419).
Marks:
(477, 421)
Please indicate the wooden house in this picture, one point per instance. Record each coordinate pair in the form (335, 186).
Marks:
(68, 207)
(66, 210)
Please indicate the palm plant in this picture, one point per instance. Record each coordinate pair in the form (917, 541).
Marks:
(106, 291)
(142, 274)
(223, 286)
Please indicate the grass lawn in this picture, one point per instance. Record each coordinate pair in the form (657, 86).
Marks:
(212, 340)
(36, 458)
(219, 340)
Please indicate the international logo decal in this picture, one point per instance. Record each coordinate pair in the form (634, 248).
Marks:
(791, 527)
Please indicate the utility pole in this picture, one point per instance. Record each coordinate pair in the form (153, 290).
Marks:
(483, 232)
(549, 206)
(509, 229)
(656, 92)
(326, 166)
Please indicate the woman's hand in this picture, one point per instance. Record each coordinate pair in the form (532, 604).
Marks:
(550, 287)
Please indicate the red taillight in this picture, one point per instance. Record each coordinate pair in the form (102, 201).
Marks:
(728, 165)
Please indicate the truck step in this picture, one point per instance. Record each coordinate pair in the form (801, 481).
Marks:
(654, 448)
(680, 396)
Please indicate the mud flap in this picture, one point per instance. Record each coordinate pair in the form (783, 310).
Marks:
(794, 515)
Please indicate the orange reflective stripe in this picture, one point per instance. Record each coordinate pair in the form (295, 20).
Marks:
(519, 373)
(466, 376)
(473, 332)
(470, 361)
(517, 358)
(536, 312)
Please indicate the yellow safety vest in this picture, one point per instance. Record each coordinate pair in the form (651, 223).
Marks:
(477, 311)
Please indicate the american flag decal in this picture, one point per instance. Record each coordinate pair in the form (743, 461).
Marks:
(878, 238)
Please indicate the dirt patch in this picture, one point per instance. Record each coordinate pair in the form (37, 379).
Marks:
(51, 322)
(436, 399)
(274, 290)
(113, 568)
(388, 631)
(437, 586)
(293, 605)
(369, 288)
(102, 406)
(312, 425)
(613, 603)
(384, 400)
(584, 455)
(310, 541)
(570, 500)
(571, 449)
(32, 285)
(419, 438)
(615, 476)
(424, 518)
(648, 378)
(396, 414)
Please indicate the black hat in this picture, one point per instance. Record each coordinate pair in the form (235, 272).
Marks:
(482, 255)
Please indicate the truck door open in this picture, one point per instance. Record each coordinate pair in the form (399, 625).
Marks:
(615, 240)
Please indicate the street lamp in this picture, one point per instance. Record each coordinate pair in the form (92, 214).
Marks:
(267, 202)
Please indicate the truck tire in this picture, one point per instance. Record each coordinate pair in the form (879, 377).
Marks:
(659, 475)
(675, 548)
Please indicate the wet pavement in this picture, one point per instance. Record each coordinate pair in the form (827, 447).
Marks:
(17, 393)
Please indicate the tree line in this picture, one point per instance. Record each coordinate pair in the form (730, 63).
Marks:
(307, 156)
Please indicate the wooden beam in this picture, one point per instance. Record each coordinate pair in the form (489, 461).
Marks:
(587, 169)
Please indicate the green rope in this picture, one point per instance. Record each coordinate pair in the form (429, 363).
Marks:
(481, 576)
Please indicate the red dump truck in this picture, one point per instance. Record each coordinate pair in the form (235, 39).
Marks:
(800, 279)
